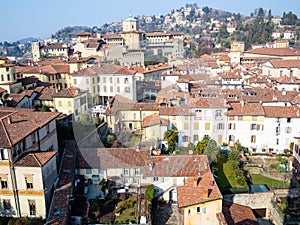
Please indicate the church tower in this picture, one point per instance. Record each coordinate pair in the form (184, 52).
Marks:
(130, 24)
(35, 49)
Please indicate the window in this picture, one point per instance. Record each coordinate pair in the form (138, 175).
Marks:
(220, 126)
(136, 171)
(104, 79)
(48, 128)
(88, 171)
(196, 126)
(277, 141)
(69, 104)
(198, 209)
(185, 138)
(6, 204)
(2, 77)
(231, 126)
(186, 126)
(253, 139)
(231, 117)
(118, 80)
(75, 81)
(127, 90)
(203, 210)
(111, 88)
(33, 137)
(111, 80)
(155, 178)
(3, 182)
(218, 115)
(253, 126)
(29, 182)
(288, 120)
(207, 126)
(118, 89)
(196, 137)
(240, 118)
(189, 211)
(231, 138)
(198, 114)
(254, 118)
(59, 103)
(126, 81)
(104, 88)
(135, 181)
(8, 77)
(288, 130)
(4, 154)
(134, 116)
(87, 81)
(32, 207)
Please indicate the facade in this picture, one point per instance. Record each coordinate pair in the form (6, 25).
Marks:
(28, 161)
(105, 81)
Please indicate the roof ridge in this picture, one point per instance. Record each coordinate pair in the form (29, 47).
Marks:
(36, 158)
(4, 128)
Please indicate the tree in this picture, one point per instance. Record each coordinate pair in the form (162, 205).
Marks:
(149, 192)
(212, 150)
(171, 136)
(201, 145)
(45, 109)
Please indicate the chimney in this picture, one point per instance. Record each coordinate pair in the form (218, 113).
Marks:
(150, 166)
(242, 103)
(9, 120)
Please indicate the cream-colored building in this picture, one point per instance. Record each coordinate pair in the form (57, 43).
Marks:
(200, 199)
(27, 161)
(8, 76)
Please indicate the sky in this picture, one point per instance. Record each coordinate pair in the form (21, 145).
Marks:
(35, 18)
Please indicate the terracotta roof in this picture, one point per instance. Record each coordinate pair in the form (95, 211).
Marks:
(111, 36)
(199, 189)
(15, 99)
(2, 90)
(238, 214)
(154, 119)
(54, 46)
(35, 159)
(282, 111)
(274, 51)
(175, 111)
(71, 92)
(119, 103)
(176, 166)
(22, 123)
(288, 80)
(246, 109)
(105, 69)
(161, 166)
(292, 63)
(207, 102)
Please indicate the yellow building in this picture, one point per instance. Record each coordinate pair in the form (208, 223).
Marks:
(200, 200)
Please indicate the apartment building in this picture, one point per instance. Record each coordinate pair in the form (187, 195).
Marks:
(28, 147)
(105, 81)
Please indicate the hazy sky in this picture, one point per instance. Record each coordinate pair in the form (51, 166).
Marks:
(40, 19)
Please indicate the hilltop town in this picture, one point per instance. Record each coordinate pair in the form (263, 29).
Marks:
(188, 118)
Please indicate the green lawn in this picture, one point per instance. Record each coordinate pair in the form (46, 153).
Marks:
(225, 184)
(271, 183)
